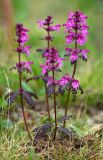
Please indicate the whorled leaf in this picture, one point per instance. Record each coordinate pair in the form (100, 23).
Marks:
(81, 90)
(74, 93)
(65, 132)
(14, 67)
(73, 98)
(68, 85)
(32, 94)
(28, 98)
(61, 90)
(33, 78)
(42, 131)
(20, 70)
(11, 97)
(58, 70)
(25, 70)
(40, 50)
(50, 90)
(47, 38)
(45, 79)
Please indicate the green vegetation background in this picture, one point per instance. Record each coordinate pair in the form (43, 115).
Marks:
(28, 12)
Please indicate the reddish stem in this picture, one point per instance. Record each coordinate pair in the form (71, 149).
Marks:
(47, 100)
(22, 105)
(73, 74)
(54, 97)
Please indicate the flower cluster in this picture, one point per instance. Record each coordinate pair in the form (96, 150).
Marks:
(66, 80)
(20, 66)
(22, 38)
(64, 83)
(23, 66)
(46, 24)
(76, 21)
(77, 30)
(51, 81)
(53, 61)
(74, 54)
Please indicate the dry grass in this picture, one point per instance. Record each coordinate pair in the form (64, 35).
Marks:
(14, 145)
(92, 149)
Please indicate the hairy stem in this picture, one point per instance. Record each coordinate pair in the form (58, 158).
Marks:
(66, 106)
(54, 98)
(73, 74)
(47, 102)
(47, 99)
(22, 105)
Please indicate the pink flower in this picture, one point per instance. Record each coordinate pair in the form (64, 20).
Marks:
(69, 24)
(70, 37)
(21, 33)
(40, 23)
(23, 50)
(54, 61)
(26, 50)
(82, 16)
(44, 68)
(84, 54)
(46, 24)
(28, 66)
(46, 53)
(75, 84)
(60, 60)
(24, 66)
(22, 38)
(68, 51)
(81, 40)
(55, 28)
(48, 20)
(51, 81)
(20, 28)
(70, 14)
(74, 54)
(76, 28)
(64, 80)
(73, 58)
